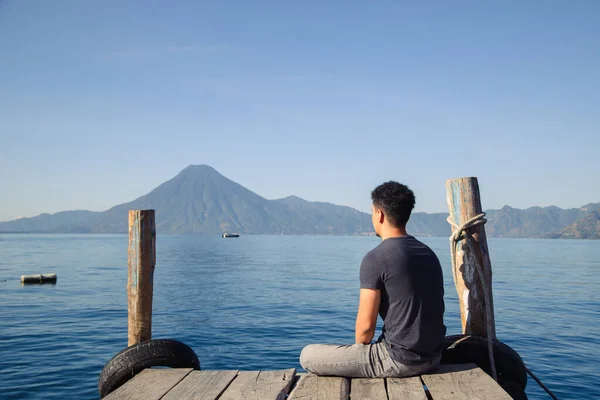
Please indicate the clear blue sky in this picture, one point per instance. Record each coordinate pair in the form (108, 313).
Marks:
(101, 101)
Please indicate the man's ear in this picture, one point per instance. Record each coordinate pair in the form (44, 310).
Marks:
(380, 216)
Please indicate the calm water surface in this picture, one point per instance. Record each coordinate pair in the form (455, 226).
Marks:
(254, 302)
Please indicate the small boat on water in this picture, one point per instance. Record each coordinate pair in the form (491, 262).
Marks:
(231, 235)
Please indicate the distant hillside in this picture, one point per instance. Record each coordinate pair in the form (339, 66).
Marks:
(423, 224)
(585, 228)
(61, 222)
(531, 222)
(201, 200)
(326, 217)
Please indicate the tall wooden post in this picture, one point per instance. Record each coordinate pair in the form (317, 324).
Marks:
(464, 203)
(140, 281)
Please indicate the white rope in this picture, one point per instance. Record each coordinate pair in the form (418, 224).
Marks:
(460, 233)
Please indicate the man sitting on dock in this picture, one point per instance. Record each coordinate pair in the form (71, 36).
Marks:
(401, 280)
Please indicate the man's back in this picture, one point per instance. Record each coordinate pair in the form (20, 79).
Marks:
(401, 280)
(409, 275)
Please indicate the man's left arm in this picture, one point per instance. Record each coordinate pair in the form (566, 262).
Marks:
(366, 318)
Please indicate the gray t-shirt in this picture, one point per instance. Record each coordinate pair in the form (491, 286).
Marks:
(409, 275)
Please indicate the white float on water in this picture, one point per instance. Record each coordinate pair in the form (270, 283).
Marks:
(38, 278)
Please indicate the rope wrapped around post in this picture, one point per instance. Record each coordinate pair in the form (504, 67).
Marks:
(461, 233)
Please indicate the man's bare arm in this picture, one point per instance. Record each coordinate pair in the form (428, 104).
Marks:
(366, 319)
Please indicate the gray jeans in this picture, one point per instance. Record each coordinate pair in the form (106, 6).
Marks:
(358, 361)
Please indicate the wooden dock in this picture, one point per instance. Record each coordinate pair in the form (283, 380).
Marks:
(472, 276)
(449, 382)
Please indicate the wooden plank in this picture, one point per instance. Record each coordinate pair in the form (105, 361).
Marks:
(405, 389)
(140, 277)
(445, 368)
(464, 203)
(297, 378)
(470, 383)
(312, 387)
(150, 384)
(368, 389)
(260, 385)
(202, 385)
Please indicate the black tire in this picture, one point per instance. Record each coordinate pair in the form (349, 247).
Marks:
(514, 391)
(152, 353)
(461, 349)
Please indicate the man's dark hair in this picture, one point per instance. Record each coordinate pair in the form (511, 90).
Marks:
(396, 200)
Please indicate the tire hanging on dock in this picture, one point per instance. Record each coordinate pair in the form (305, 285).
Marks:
(152, 353)
(462, 349)
(514, 391)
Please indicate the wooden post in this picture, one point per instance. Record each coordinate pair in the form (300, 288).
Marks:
(464, 203)
(140, 281)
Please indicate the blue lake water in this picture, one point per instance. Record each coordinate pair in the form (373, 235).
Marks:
(254, 302)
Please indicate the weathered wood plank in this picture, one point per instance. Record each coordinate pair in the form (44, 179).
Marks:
(297, 378)
(471, 383)
(201, 385)
(260, 385)
(405, 389)
(150, 384)
(312, 387)
(445, 368)
(368, 389)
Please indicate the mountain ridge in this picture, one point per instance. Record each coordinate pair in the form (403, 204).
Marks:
(199, 199)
